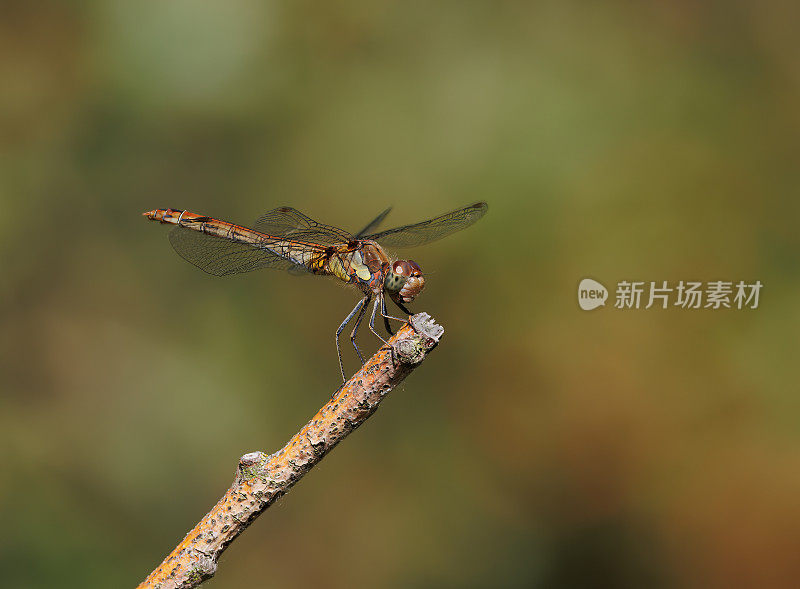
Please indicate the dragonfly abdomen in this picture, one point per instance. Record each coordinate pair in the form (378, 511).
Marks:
(299, 253)
(207, 225)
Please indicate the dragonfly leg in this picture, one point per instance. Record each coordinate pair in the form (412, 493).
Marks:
(385, 316)
(372, 320)
(361, 313)
(359, 307)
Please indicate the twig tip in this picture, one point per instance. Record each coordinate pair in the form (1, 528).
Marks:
(425, 325)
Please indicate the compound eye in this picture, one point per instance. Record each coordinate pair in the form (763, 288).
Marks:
(414, 267)
(402, 268)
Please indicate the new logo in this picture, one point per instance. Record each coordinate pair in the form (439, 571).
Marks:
(591, 294)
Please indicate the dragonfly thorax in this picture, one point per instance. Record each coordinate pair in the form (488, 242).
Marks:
(404, 281)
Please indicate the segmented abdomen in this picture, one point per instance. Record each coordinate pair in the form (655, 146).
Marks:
(316, 258)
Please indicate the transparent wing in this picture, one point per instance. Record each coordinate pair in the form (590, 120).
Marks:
(291, 223)
(432, 229)
(373, 225)
(221, 257)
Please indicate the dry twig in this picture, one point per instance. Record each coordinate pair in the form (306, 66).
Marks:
(262, 479)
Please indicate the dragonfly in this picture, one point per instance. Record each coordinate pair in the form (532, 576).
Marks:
(284, 238)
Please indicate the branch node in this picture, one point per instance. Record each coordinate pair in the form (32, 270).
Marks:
(251, 465)
(202, 570)
(409, 352)
(250, 459)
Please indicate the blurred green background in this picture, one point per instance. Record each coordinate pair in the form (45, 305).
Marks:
(541, 445)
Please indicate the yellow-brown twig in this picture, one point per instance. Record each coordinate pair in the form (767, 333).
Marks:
(261, 479)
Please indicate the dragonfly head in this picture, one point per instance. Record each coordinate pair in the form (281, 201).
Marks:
(404, 281)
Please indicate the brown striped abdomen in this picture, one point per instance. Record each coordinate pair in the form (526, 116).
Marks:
(315, 257)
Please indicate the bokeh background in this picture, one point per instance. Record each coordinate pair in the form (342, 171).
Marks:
(541, 445)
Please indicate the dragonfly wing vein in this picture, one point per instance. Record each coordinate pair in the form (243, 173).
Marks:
(292, 224)
(432, 229)
(220, 256)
